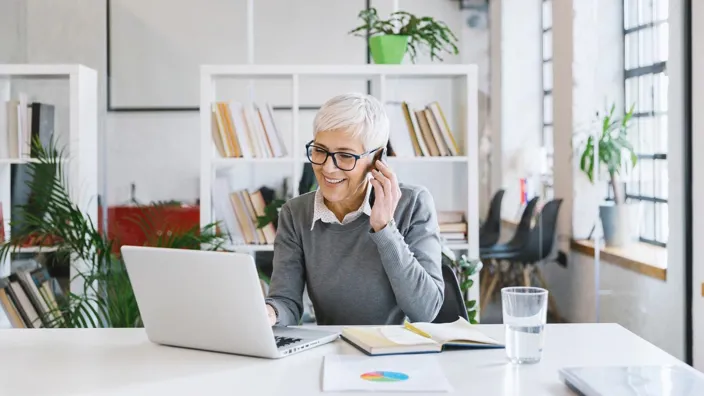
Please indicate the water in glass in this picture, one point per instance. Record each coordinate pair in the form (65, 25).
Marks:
(524, 316)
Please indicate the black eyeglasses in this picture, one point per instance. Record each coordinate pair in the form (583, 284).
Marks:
(344, 161)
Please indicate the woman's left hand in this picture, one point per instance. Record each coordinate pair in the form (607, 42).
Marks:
(386, 196)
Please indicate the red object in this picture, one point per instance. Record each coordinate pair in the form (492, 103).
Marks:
(126, 224)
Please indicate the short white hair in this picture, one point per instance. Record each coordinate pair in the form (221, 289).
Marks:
(360, 114)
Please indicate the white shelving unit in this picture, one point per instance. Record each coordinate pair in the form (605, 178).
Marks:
(383, 78)
(79, 141)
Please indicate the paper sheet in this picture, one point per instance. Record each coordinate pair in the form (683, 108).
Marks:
(400, 335)
(405, 373)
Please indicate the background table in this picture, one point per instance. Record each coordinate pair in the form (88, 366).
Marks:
(103, 362)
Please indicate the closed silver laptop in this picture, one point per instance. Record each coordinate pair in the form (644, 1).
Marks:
(209, 301)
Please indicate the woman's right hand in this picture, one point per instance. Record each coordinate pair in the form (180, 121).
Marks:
(272, 314)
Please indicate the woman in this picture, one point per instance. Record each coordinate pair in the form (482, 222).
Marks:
(367, 247)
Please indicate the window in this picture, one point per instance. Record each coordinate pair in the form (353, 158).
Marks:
(546, 139)
(645, 86)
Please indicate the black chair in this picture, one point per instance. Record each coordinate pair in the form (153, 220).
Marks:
(453, 305)
(490, 231)
(520, 236)
(537, 248)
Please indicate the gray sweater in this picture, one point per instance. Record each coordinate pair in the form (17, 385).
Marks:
(354, 275)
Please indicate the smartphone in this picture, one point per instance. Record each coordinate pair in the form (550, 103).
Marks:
(381, 156)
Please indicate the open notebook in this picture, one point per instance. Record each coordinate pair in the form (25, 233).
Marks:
(417, 338)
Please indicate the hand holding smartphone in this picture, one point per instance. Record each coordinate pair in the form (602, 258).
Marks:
(386, 194)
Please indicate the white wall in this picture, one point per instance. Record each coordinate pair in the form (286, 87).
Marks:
(158, 151)
(521, 97)
(697, 179)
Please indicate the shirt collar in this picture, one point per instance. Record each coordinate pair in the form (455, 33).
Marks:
(323, 213)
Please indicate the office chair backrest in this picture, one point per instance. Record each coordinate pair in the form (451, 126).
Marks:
(490, 231)
(453, 305)
(522, 234)
(542, 236)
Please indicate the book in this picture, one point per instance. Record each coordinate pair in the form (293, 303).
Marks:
(417, 338)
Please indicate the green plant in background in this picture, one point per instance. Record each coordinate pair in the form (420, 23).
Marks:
(271, 213)
(615, 151)
(404, 32)
(464, 269)
(107, 298)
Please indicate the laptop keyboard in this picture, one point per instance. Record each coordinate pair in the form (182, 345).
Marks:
(283, 341)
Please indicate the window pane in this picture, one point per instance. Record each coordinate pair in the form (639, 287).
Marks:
(645, 93)
(662, 130)
(647, 226)
(632, 93)
(547, 139)
(547, 109)
(662, 44)
(660, 92)
(663, 228)
(547, 45)
(631, 51)
(645, 134)
(645, 47)
(630, 13)
(547, 76)
(661, 9)
(645, 11)
(661, 179)
(547, 14)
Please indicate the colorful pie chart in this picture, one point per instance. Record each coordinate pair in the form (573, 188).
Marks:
(384, 376)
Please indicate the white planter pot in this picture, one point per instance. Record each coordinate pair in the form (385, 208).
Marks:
(620, 223)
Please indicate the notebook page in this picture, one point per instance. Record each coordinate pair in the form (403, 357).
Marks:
(455, 331)
(400, 335)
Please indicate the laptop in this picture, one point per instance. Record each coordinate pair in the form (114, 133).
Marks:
(210, 301)
(633, 380)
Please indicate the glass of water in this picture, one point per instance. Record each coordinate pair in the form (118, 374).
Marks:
(525, 311)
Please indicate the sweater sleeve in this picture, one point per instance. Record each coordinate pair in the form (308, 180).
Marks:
(413, 261)
(288, 275)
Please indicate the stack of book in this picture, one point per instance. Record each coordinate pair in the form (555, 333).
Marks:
(245, 130)
(28, 299)
(420, 132)
(238, 211)
(453, 226)
(21, 123)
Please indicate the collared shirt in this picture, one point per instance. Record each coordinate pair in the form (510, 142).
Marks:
(323, 213)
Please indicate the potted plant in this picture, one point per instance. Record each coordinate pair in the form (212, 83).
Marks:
(390, 39)
(616, 155)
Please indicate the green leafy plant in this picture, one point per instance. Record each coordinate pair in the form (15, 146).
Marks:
(271, 213)
(614, 150)
(464, 269)
(422, 32)
(106, 298)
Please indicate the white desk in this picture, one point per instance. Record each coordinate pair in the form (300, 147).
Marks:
(104, 362)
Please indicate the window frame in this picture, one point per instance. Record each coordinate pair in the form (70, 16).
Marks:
(546, 142)
(656, 66)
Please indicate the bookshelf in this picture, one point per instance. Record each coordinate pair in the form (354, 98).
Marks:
(284, 87)
(71, 90)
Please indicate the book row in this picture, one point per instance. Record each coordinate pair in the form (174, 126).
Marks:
(420, 132)
(23, 122)
(240, 211)
(246, 130)
(28, 299)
